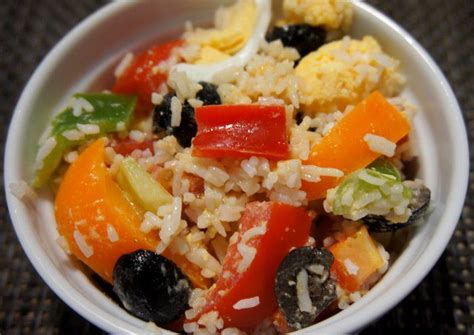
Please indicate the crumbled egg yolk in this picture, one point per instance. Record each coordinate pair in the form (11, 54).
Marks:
(233, 27)
(344, 72)
(332, 14)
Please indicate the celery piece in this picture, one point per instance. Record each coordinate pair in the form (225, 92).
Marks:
(108, 111)
(377, 189)
(143, 188)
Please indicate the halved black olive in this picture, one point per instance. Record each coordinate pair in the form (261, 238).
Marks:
(208, 94)
(419, 203)
(302, 37)
(187, 129)
(311, 265)
(151, 287)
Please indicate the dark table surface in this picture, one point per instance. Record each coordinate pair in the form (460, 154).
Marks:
(443, 303)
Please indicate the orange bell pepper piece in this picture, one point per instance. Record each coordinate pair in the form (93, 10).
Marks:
(89, 205)
(344, 147)
(356, 260)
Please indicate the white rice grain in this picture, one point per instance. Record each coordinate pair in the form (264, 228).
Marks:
(73, 135)
(112, 234)
(86, 105)
(248, 255)
(71, 157)
(76, 107)
(211, 321)
(89, 129)
(44, 151)
(247, 303)
(176, 109)
(380, 145)
(156, 98)
(363, 175)
(351, 268)
(86, 249)
(366, 199)
(137, 136)
(253, 232)
(195, 103)
(120, 126)
(348, 196)
(302, 292)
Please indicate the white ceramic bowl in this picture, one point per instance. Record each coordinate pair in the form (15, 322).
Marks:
(84, 60)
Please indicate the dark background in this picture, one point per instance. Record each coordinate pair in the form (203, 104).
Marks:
(443, 303)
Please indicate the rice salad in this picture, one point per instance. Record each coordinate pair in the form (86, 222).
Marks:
(261, 201)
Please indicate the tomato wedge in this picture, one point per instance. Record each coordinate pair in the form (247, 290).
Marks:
(241, 131)
(274, 228)
(127, 146)
(140, 79)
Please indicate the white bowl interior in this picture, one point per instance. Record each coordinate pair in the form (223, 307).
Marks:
(84, 60)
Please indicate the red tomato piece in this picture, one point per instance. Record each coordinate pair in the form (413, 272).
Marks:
(286, 227)
(140, 79)
(127, 146)
(241, 131)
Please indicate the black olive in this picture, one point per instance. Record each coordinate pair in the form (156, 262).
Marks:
(151, 287)
(186, 130)
(208, 94)
(299, 118)
(419, 203)
(322, 289)
(162, 115)
(302, 37)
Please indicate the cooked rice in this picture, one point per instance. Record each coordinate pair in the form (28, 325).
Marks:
(247, 303)
(44, 151)
(176, 109)
(120, 126)
(86, 250)
(156, 98)
(79, 105)
(351, 268)
(137, 136)
(88, 129)
(112, 234)
(302, 292)
(71, 156)
(380, 145)
(22, 191)
(185, 88)
(73, 135)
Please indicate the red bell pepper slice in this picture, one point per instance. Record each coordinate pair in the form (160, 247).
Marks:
(241, 131)
(286, 227)
(140, 79)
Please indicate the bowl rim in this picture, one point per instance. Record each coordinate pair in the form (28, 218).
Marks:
(412, 278)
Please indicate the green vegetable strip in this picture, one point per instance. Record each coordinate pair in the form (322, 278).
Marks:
(110, 110)
(356, 188)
